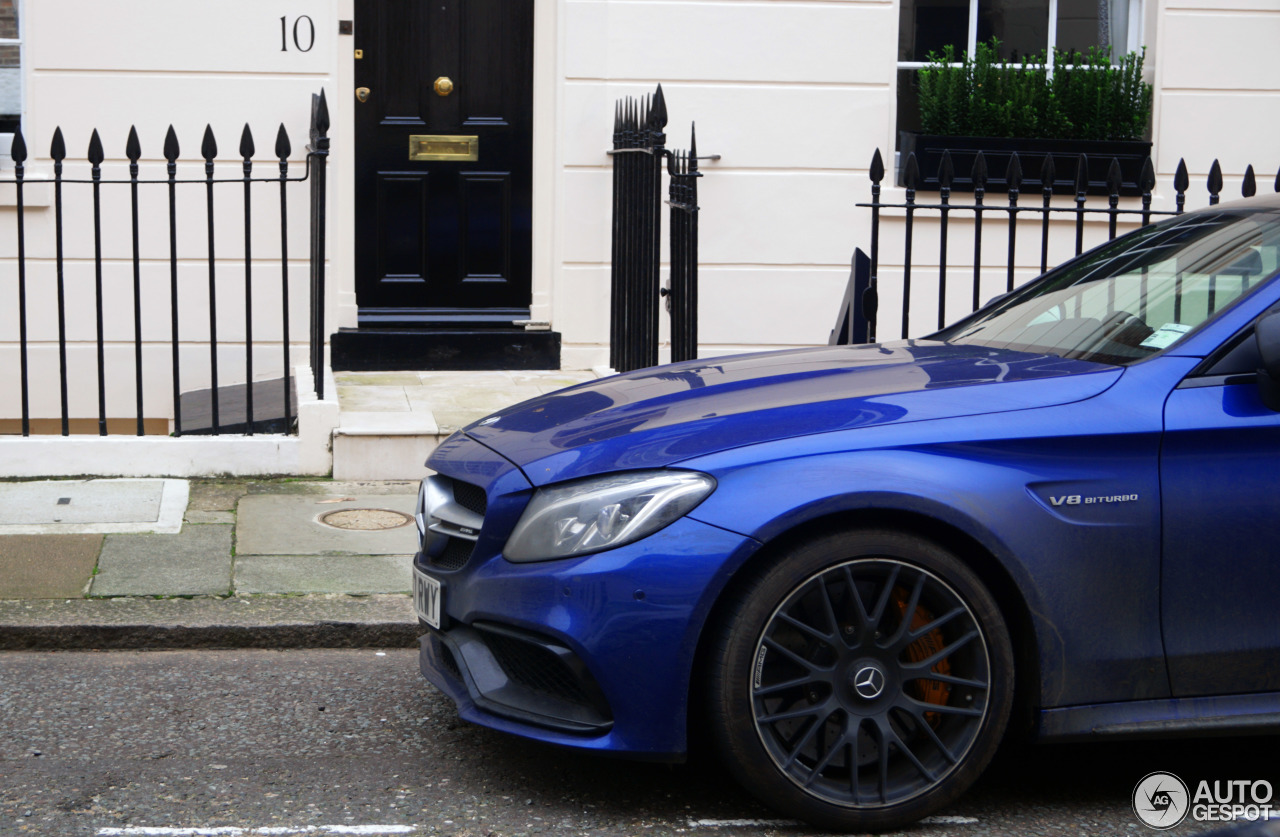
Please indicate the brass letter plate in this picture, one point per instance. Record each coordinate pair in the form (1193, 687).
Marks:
(424, 147)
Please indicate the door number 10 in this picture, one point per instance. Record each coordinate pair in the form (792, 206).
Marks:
(304, 29)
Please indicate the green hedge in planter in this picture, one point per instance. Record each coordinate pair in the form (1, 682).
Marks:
(1088, 97)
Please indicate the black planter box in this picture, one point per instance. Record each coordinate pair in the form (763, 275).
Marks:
(1031, 153)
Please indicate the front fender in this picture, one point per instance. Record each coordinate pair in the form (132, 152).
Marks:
(1089, 580)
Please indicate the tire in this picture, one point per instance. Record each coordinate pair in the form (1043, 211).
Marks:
(861, 682)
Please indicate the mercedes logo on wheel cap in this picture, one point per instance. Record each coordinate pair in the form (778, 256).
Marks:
(868, 682)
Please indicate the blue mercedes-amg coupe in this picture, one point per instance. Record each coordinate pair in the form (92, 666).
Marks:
(856, 567)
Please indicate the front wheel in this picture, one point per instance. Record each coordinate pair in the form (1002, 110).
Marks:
(862, 682)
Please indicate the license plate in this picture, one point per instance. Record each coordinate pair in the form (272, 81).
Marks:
(427, 594)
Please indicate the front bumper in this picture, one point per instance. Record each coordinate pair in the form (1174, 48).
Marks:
(594, 652)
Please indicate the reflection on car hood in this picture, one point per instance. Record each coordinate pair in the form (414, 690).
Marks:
(658, 416)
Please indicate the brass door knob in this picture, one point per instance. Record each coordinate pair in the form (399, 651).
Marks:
(444, 86)
(362, 93)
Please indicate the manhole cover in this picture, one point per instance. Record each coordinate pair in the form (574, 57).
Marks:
(365, 519)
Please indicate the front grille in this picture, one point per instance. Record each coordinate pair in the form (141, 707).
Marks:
(470, 497)
(536, 668)
(454, 515)
(455, 555)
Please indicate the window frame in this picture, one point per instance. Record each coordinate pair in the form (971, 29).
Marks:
(20, 43)
(1133, 38)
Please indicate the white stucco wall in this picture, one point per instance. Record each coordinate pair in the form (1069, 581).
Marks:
(793, 96)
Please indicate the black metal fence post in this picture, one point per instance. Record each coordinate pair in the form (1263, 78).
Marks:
(1013, 175)
(910, 177)
(1046, 179)
(1082, 187)
(1181, 181)
(979, 192)
(96, 157)
(209, 150)
(683, 300)
(58, 151)
(946, 174)
(133, 150)
(317, 158)
(1113, 197)
(1146, 182)
(171, 167)
(246, 153)
(283, 149)
(657, 124)
(18, 151)
(870, 300)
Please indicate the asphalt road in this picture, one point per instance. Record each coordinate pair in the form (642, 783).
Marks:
(160, 743)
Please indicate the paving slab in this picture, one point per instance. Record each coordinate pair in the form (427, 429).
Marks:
(47, 566)
(289, 525)
(210, 517)
(195, 562)
(356, 574)
(335, 488)
(322, 621)
(62, 507)
(210, 496)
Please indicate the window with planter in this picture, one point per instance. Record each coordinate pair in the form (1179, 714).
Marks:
(1060, 77)
(10, 67)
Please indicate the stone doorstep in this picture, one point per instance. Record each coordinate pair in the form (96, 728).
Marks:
(390, 442)
(384, 445)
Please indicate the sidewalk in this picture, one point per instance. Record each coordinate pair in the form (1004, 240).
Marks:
(224, 563)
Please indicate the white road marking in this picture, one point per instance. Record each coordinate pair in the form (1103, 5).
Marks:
(253, 831)
(940, 820)
(744, 823)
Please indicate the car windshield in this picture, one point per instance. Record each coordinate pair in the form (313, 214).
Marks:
(1137, 295)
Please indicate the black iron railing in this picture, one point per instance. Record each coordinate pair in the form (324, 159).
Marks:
(315, 172)
(639, 149)
(682, 297)
(859, 312)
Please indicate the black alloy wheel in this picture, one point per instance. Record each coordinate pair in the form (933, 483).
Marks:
(862, 682)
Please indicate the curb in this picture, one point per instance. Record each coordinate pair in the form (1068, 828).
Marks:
(276, 622)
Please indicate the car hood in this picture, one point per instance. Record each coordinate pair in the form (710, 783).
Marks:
(658, 416)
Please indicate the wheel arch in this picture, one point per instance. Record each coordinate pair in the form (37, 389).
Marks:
(1013, 605)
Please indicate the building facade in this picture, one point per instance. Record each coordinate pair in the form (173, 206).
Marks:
(793, 96)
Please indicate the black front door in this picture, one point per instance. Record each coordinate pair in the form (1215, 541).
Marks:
(441, 238)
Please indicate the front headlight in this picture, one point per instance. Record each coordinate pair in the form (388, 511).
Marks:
(603, 512)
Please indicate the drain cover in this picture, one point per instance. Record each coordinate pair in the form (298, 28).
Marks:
(365, 519)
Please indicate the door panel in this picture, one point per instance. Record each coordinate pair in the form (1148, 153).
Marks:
(445, 238)
(1220, 480)
(401, 244)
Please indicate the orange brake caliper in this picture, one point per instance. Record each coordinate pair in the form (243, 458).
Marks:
(927, 691)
